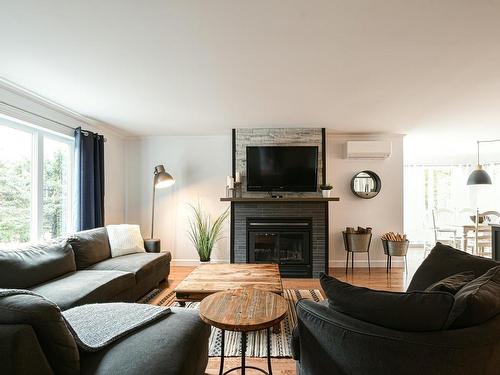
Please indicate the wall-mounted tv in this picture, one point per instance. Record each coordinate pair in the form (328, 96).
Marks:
(282, 168)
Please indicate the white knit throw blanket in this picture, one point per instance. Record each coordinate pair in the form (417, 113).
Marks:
(97, 325)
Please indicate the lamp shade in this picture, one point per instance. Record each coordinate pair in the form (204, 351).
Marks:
(479, 177)
(162, 178)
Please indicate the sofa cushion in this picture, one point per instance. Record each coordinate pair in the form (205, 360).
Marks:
(35, 264)
(452, 284)
(444, 261)
(81, 287)
(478, 301)
(45, 318)
(416, 311)
(149, 269)
(177, 344)
(141, 265)
(90, 246)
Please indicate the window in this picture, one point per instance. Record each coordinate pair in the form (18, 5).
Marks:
(35, 183)
(444, 187)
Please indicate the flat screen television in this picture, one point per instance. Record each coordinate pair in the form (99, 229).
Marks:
(282, 168)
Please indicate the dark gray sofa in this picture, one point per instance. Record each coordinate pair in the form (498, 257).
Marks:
(326, 341)
(79, 270)
(76, 271)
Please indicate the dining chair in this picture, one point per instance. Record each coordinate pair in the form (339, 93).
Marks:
(466, 237)
(483, 234)
(443, 221)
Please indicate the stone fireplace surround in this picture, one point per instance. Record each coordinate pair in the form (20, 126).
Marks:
(293, 205)
(316, 211)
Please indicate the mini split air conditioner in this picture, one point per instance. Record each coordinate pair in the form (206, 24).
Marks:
(368, 149)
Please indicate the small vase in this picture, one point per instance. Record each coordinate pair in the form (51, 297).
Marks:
(326, 193)
(205, 260)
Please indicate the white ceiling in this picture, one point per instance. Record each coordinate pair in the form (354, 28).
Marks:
(203, 67)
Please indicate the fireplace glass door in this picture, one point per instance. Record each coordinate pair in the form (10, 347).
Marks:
(265, 247)
(292, 247)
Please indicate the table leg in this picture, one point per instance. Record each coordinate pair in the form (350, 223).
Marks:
(243, 351)
(221, 369)
(270, 371)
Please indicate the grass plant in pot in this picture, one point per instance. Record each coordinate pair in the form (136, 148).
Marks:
(203, 233)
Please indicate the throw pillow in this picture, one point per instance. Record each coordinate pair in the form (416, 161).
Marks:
(452, 284)
(90, 247)
(31, 265)
(415, 311)
(125, 239)
(444, 261)
(478, 301)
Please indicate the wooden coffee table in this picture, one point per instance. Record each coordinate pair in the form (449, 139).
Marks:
(212, 278)
(244, 310)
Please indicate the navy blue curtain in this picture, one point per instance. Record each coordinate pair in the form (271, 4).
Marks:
(89, 160)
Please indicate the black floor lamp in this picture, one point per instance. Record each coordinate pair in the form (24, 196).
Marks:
(161, 180)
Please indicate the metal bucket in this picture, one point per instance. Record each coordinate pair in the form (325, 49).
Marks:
(357, 242)
(395, 248)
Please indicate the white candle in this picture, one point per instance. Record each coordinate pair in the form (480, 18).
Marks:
(230, 182)
(237, 177)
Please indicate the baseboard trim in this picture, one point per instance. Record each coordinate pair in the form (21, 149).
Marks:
(364, 263)
(331, 264)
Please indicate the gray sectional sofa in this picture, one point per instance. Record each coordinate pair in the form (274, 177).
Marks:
(79, 270)
(76, 271)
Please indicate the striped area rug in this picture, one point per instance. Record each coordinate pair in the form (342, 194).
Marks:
(256, 341)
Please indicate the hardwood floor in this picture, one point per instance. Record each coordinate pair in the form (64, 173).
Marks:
(396, 280)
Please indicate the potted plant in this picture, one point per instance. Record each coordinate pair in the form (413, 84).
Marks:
(202, 233)
(325, 190)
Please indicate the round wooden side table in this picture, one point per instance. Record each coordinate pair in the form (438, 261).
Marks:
(243, 310)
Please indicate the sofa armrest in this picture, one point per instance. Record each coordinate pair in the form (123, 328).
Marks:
(20, 352)
(331, 342)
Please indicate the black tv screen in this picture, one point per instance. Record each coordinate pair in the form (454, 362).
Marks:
(282, 168)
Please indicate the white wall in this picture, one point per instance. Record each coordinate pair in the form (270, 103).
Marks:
(384, 213)
(113, 149)
(200, 166)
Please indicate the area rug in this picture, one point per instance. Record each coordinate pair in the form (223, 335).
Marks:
(256, 341)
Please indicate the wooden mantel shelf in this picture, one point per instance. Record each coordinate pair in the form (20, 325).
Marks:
(284, 199)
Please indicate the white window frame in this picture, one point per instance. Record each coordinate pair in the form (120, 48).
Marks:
(37, 158)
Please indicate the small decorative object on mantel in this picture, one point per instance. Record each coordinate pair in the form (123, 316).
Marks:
(229, 187)
(202, 233)
(237, 185)
(326, 189)
(395, 244)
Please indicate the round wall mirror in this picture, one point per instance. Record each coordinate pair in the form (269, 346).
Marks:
(366, 184)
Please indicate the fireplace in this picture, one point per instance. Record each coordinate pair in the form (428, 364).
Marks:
(285, 241)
